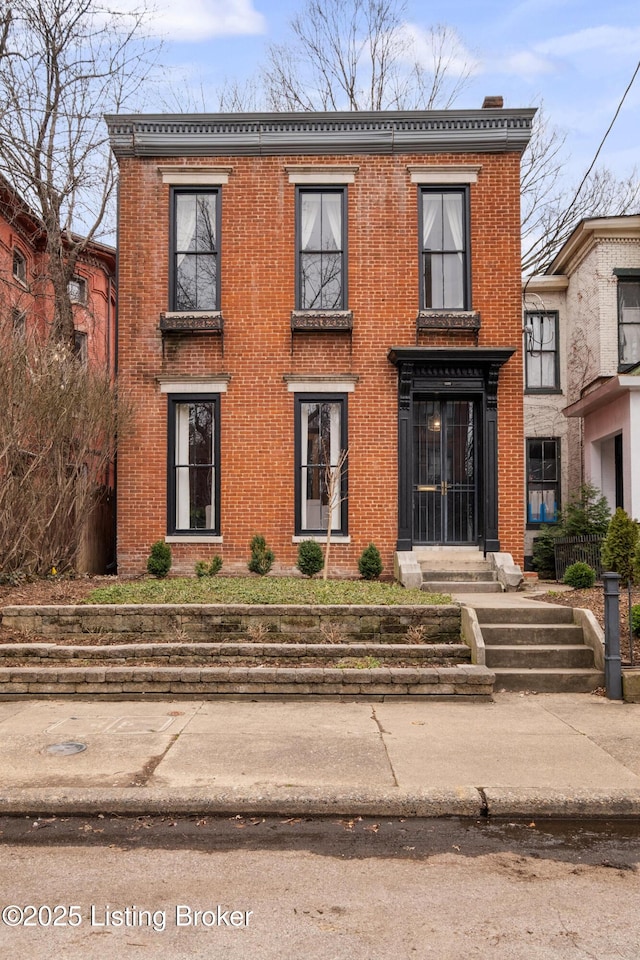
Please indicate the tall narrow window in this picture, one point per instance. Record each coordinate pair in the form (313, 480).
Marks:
(19, 266)
(543, 480)
(321, 444)
(444, 249)
(77, 289)
(18, 323)
(629, 320)
(195, 249)
(80, 347)
(321, 250)
(193, 456)
(541, 351)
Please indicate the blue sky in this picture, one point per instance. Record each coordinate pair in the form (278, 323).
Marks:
(577, 56)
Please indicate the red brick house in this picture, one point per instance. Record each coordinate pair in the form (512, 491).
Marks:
(27, 311)
(296, 285)
(26, 295)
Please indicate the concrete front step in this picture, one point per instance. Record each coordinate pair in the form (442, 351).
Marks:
(526, 634)
(458, 574)
(535, 657)
(549, 680)
(536, 613)
(537, 647)
(461, 586)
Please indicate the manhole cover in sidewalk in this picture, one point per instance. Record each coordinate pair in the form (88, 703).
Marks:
(65, 749)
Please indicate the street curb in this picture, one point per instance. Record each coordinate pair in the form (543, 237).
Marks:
(561, 805)
(144, 802)
(465, 803)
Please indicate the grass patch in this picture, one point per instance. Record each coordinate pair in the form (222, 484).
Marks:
(272, 590)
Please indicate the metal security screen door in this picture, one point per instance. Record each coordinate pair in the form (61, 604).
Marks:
(444, 471)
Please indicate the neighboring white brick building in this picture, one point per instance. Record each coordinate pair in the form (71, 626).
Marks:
(582, 371)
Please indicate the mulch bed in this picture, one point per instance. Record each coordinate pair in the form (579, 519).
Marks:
(593, 600)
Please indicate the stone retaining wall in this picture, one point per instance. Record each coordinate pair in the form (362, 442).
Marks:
(203, 682)
(370, 624)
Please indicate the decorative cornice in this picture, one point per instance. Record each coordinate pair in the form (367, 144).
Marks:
(437, 320)
(322, 320)
(268, 134)
(195, 322)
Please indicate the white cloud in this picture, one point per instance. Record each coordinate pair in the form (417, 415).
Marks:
(527, 64)
(553, 55)
(614, 41)
(195, 20)
(427, 46)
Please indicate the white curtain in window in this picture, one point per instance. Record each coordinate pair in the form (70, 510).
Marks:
(332, 203)
(452, 215)
(183, 512)
(429, 213)
(335, 434)
(304, 448)
(185, 222)
(310, 211)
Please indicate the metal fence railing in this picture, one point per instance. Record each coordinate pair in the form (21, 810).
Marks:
(568, 550)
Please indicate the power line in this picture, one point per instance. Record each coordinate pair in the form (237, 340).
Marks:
(602, 142)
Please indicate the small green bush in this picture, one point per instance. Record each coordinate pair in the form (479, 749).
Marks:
(544, 562)
(579, 575)
(620, 544)
(310, 558)
(635, 619)
(586, 514)
(159, 562)
(370, 563)
(262, 557)
(204, 569)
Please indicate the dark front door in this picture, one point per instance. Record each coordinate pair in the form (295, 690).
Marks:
(444, 471)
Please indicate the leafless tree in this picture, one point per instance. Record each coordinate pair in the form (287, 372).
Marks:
(335, 495)
(551, 209)
(57, 440)
(362, 55)
(64, 63)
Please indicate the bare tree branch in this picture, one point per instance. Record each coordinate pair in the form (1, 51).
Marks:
(362, 55)
(551, 209)
(65, 63)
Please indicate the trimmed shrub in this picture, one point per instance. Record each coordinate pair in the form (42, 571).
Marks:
(262, 557)
(370, 563)
(620, 544)
(204, 569)
(635, 619)
(544, 562)
(580, 575)
(159, 562)
(310, 558)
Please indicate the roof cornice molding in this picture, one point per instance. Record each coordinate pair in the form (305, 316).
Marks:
(588, 232)
(269, 134)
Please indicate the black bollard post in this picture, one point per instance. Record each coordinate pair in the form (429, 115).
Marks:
(612, 658)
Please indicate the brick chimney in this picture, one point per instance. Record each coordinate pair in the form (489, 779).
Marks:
(492, 102)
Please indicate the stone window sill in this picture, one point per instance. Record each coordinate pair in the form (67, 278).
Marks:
(209, 321)
(321, 320)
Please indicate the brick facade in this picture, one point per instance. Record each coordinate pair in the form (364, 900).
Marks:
(258, 360)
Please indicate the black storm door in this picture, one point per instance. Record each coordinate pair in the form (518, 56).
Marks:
(444, 471)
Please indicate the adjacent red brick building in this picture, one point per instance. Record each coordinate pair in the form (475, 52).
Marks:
(27, 309)
(292, 286)
(26, 293)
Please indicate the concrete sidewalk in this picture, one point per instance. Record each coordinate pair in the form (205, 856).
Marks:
(553, 755)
